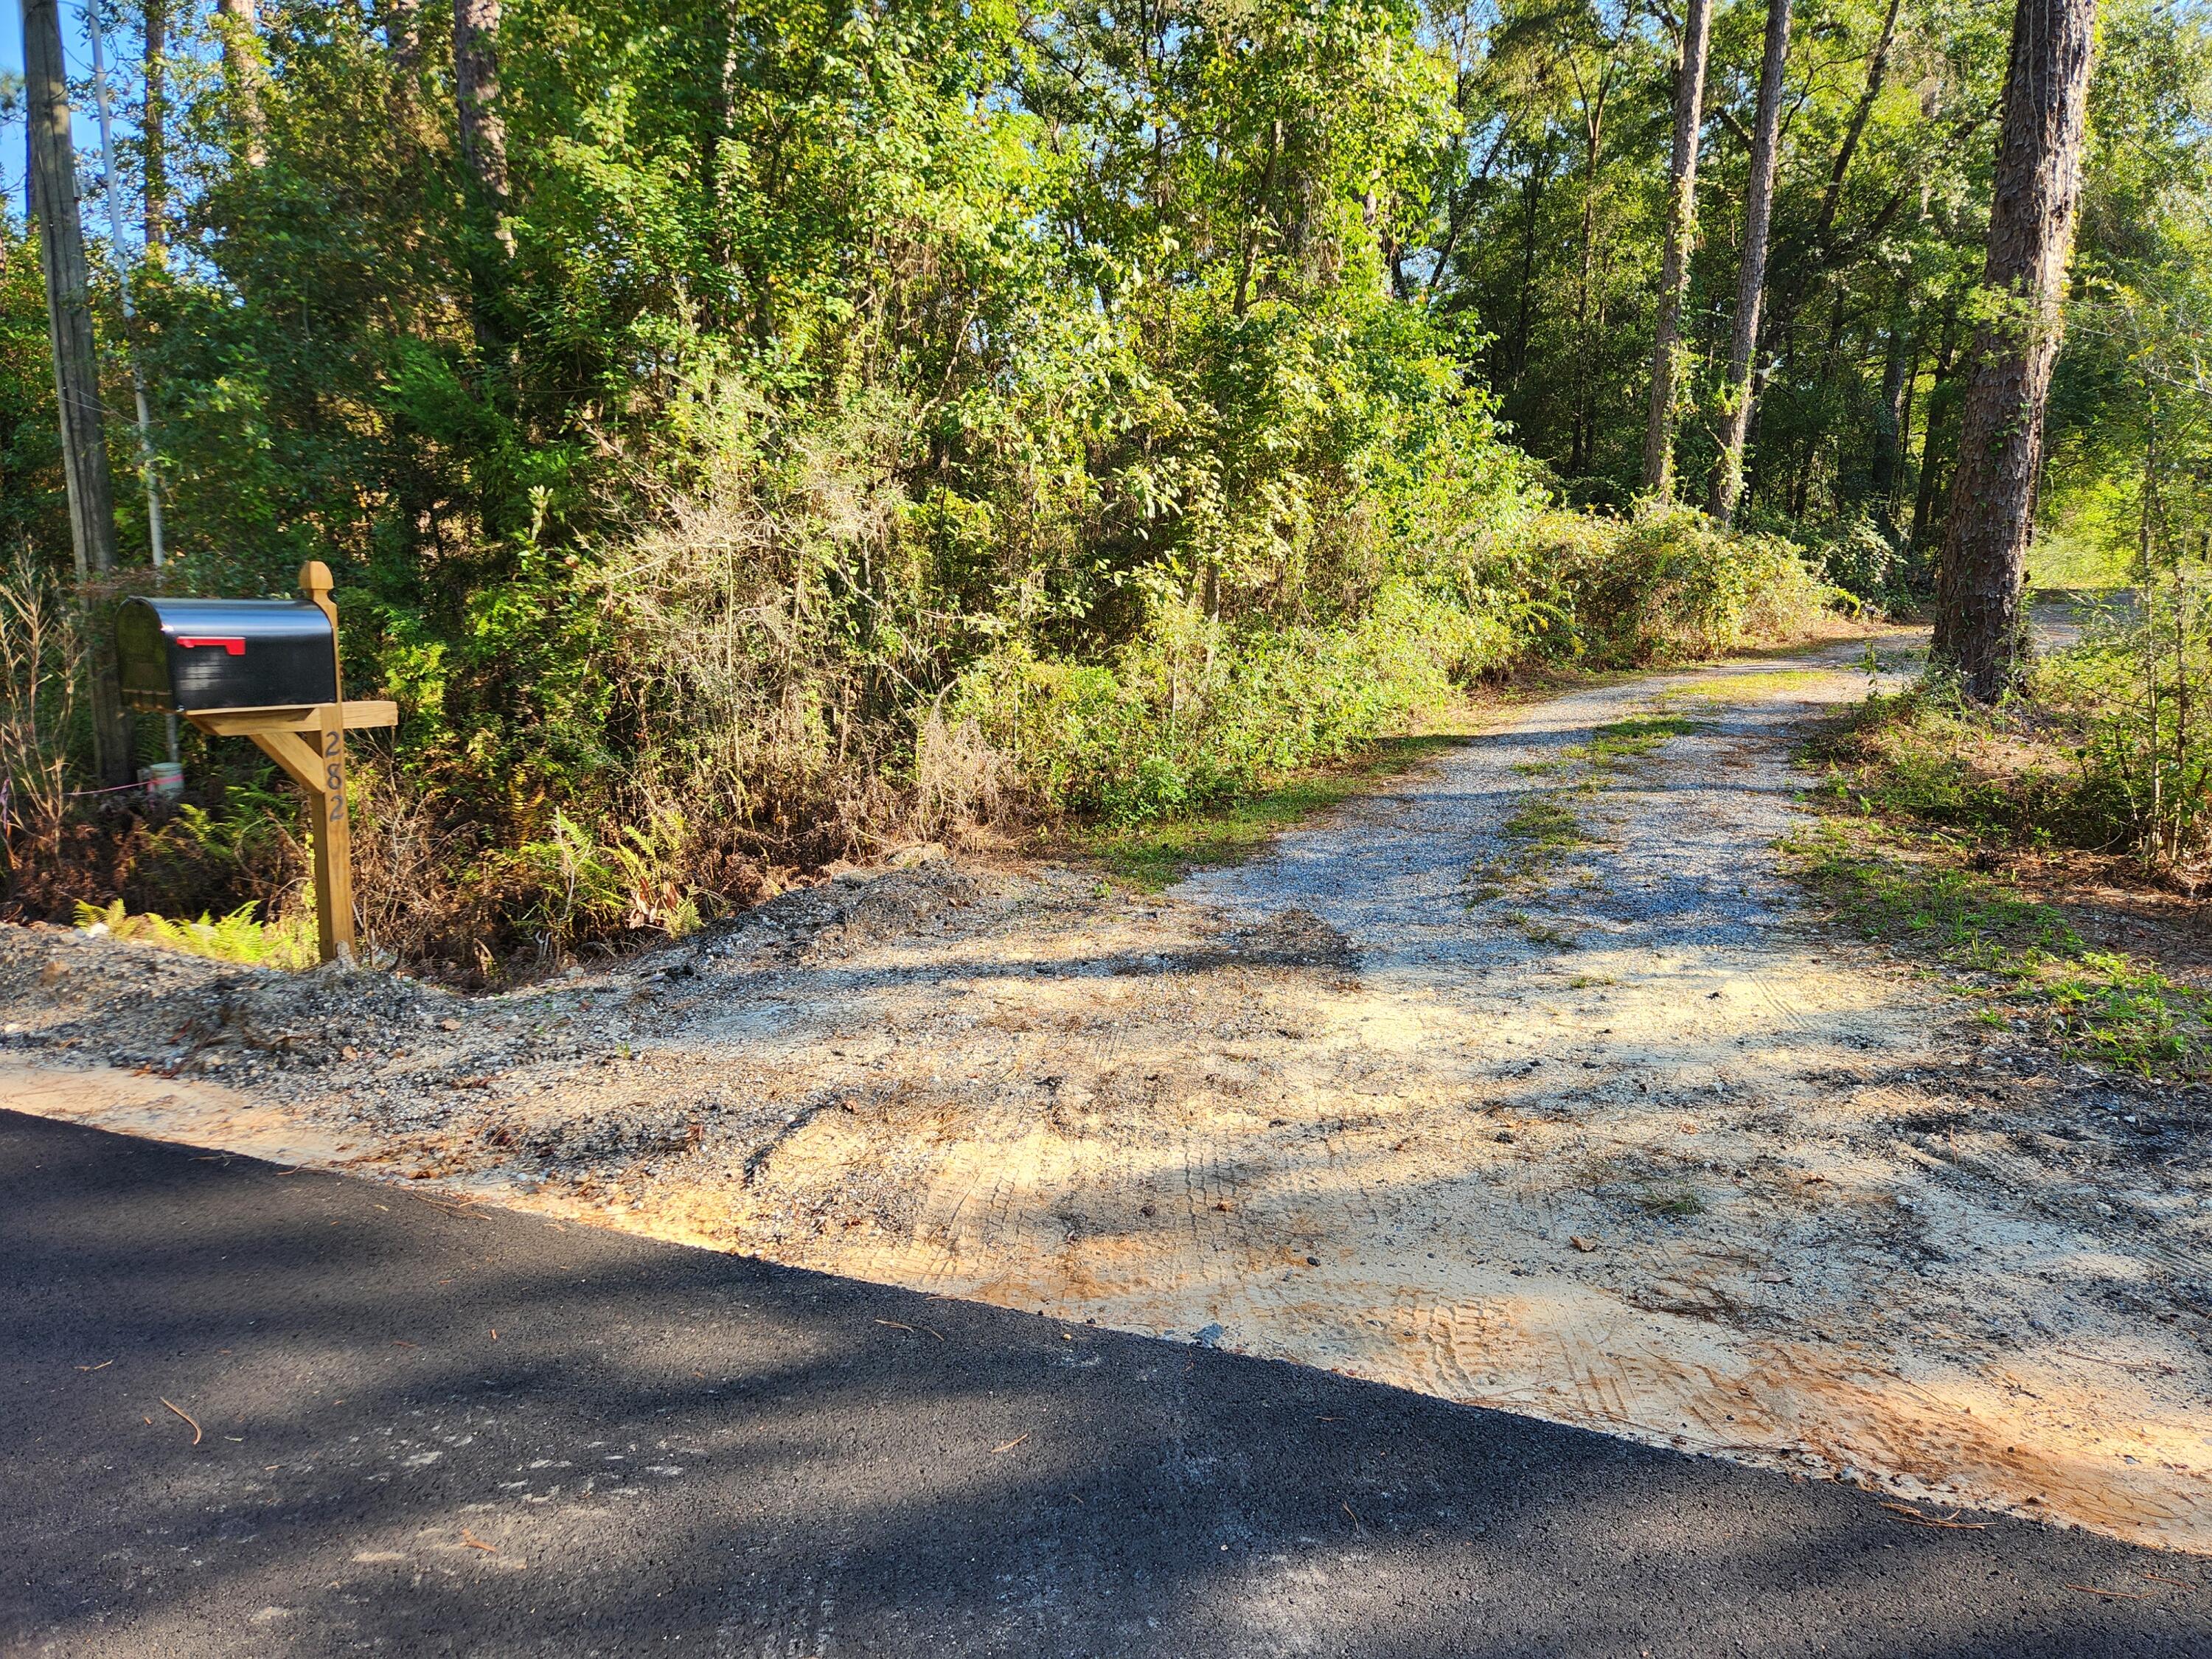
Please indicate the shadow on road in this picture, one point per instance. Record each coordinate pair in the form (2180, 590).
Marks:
(677, 1451)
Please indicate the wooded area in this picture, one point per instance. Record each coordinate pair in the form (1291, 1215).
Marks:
(747, 435)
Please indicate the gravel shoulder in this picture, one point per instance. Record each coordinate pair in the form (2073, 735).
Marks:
(1523, 1084)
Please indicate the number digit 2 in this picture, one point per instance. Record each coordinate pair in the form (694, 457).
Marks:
(334, 772)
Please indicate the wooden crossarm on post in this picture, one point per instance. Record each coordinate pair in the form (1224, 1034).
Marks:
(361, 716)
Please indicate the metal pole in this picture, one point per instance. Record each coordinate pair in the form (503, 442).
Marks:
(154, 538)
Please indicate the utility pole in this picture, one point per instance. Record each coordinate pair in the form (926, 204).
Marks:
(76, 370)
(156, 541)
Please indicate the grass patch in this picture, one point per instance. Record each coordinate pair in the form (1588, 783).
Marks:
(1155, 855)
(1918, 891)
(2013, 780)
(1545, 828)
(1754, 688)
(1928, 803)
(1632, 739)
(1676, 1205)
(1544, 823)
(1542, 830)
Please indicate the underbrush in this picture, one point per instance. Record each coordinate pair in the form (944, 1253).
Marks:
(2108, 750)
(1193, 714)
(2017, 955)
(288, 941)
(704, 731)
(1155, 853)
(1927, 803)
(1668, 586)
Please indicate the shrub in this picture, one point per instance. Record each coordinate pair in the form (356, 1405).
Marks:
(285, 941)
(2136, 694)
(1665, 585)
(1191, 710)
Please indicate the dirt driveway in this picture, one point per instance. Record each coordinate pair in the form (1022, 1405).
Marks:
(1523, 1084)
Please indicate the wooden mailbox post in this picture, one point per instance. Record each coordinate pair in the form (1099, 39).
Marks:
(165, 649)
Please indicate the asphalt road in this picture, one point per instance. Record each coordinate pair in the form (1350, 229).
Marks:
(668, 1451)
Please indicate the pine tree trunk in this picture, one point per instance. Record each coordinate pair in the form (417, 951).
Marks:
(1939, 382)
(483, 153)
(1751, 276)
(77, 368)
(403, 43)
(1532, 190)
(1905, 412)
(1978, 625)
(1883, 464)
(476, 92)
(1675, 265)
(241, 70)
(153, 130)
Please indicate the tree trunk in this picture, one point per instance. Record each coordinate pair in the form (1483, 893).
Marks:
(714, 145)
(1584, 416)
(1939, 381)
(1877, 72)
(1532, 190)
(1675, 265)
(1751, 274)
(241, 70)
(2037, 188)
(76, 370)
(403, 43)
(1888, 438)
(1816, 255)
(476, 91)
(153, 130)
(483, 153)
(1896, 485)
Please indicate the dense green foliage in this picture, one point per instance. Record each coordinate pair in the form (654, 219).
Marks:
(1551, 199)
(843, 421)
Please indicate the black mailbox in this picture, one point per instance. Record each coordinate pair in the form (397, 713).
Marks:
(185, 655)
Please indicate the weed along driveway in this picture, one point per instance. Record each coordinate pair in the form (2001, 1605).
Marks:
(1525, 1082)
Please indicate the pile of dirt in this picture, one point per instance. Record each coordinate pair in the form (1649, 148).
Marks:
(132, 1005)
(1295, 937)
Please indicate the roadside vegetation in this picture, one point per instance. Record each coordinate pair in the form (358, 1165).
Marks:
(748, 442)
(1994, 844)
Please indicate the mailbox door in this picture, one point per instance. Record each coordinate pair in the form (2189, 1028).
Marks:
(141, 657)
(225, 653)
